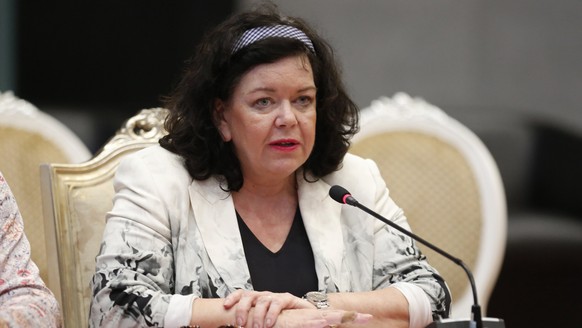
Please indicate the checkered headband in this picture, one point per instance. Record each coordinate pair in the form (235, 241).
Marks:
(274, 31)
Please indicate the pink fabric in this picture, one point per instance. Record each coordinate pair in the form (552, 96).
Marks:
(25, 301)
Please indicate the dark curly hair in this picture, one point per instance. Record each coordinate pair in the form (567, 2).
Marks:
(214, 71)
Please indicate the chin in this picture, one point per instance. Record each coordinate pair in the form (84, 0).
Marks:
(285, 170)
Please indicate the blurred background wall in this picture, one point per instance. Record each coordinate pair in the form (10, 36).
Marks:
(509, 70)
(92, 64)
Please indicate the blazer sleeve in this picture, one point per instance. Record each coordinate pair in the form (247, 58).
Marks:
(133, 284)
(397, 257)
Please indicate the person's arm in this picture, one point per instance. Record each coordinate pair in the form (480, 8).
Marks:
(406, 290)
(25, 301)
(133, 284)
(388, 306)
(403, 284)
(400, 267)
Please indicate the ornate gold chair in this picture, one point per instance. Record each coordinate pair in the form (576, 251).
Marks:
(29, 137)
(76, 198)
(448, 184)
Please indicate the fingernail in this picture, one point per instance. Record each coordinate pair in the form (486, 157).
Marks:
(364, 316)
(269, 322)
(239, 321)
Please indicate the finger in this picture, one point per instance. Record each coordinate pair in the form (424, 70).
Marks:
(315, 323)
(277, 305)
(260, 310)
(281, 302)
(358, 318)
(233, 298)
(244, 305)
(332, 317)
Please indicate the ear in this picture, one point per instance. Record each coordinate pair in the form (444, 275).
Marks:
(220, 120)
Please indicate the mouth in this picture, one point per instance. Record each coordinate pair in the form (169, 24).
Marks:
(285, 143)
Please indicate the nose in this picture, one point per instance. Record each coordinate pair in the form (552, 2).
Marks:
(285, 115)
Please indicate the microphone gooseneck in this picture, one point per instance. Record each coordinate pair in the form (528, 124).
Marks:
(341, 195)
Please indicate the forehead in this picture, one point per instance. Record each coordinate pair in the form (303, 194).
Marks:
(288, 71)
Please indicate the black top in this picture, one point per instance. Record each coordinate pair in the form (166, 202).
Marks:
(291, 269)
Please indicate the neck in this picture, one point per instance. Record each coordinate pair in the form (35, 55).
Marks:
(269, 188)
(257, 200)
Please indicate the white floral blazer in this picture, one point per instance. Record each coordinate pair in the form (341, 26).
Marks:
(170, 238)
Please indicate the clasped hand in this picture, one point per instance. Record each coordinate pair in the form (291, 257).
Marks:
(267, 309)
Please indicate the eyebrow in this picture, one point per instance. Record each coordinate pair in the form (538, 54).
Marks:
(268, 89)
(308, 88)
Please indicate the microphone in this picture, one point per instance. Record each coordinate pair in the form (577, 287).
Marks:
(342, 196)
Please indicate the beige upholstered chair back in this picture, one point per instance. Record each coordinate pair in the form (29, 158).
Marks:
(76, 198)
(446, 181)
(29, 137)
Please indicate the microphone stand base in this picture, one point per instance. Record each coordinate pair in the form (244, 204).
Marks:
(466, 323)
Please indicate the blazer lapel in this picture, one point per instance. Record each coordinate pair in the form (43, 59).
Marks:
(216, 219)
(321, 217)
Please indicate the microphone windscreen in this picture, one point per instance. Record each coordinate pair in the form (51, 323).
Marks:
(338, 193)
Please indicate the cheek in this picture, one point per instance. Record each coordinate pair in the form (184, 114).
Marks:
(308, 124)
(310, 121)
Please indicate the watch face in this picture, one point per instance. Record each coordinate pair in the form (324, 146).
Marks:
(316, 297)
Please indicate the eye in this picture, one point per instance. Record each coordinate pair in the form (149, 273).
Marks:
(304, 100)
(263, 102)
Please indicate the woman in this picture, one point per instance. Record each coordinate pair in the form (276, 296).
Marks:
(229, 222)
(24, 299)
